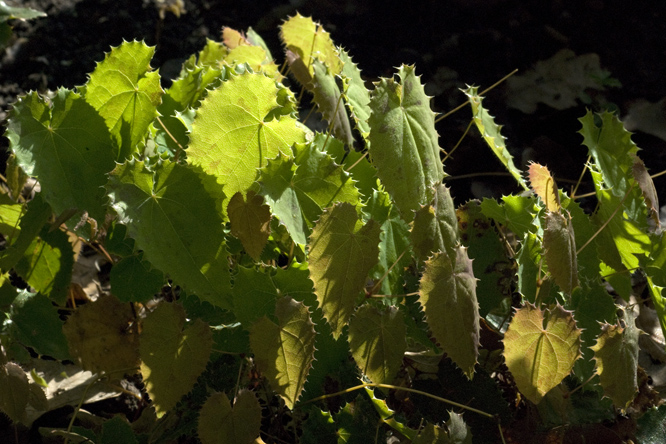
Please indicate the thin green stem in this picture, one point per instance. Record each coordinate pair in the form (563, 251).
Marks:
(580, 178)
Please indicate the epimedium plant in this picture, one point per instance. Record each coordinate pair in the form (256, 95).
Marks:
(263, 271)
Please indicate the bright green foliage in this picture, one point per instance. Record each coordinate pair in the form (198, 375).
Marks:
(377, 342)
(231, 136)
(403, 141)
(448, 297)
(249, 220)
(47, 264)
(173, 354)
(102, 336)
(10, 214)
(20, 237)
(126, 93)
(329, 103)
(66, 145)
(616, 358)
(134, 280)
(310, 41)
(540, 348)
(284, 352)
(516, 212)
(491, 133)
(35, 323)
(559, 243)
(354, 162)
(165, 212)
(298, 190)
(436, 226)
(387, 416)
(220, 424)
(342, 252)
(14, 391)
(356, 95)
(255, 57)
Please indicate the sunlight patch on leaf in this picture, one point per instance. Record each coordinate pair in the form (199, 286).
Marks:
(310, 41)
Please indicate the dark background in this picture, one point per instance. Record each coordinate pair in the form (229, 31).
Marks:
(451, 42)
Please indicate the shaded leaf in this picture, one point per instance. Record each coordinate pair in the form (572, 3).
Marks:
(543, 184)
(284, 352)
(357, 422)
(67, 146)
(377, 342)
(448, 298)
(356, 95)
(103, 337)
(254, 295)
(540, 349)
(616, 359)
(645, 183)
(310, 41)
(329, 103)
(117, 429)
(652, 426)
(354, 162)
(14, 391)
(515, 212)
(435, 226)
(133, 279)
(231, 135)
(250, 222)
(341, 253)
(403, 141)
(490, 131)
(220, 424)
(166, 212)
(560, 251)
(126, 93)
(173, 354)
(36, 323)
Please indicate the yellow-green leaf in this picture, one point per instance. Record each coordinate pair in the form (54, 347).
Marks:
(540, 348)
(284, 351)
(544, 186)
(342, 252)
(560, 244)
(310, 41)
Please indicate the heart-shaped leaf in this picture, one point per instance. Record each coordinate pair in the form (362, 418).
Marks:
(220, 424)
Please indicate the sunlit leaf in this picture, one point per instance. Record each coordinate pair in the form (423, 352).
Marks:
(219, 423)
(540, 348)
(173, 354)
(126, 92)
(448, 298)
(341, 253)
(67, 146)
(329, 103)
(377, 342)
(356, 95)
(490, 131)
(166, 212)
(250, 222)
(231, 138)
(20, 237)
(310, 41)
(435, 226)
(544, 186)
(403, 141)
(616, 358)
(284, 352)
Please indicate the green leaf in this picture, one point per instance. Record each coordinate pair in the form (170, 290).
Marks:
(166, 212)
(319, 428)
(47, 264)
(255, 295)
(298, 190)
(102, 335)
(10, 12)
(494, 271)
(448, 298)
(341, 254)
(559, 244)
(231, 138)
(10, 215)
(403, 141)
(436, 226)
(310, 41)
(133, 279)
(490, 131)
(256, 58)
(66, 145)
(20, 238)
(652, 426)
(173, 355)
(356, 95)
(284, 352)
(516, 212)
(387, 415)
(394, 255)
(35, 323)
(459, 431)
(649, 192)
(616, 358)
(354, 162)
(329, 103)
(540, 349)
(126, 93)
(250, 222)
(357, 422)
(14, 391)
(377, 342)
(220, 424)
(115, 430)
(528, 259)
